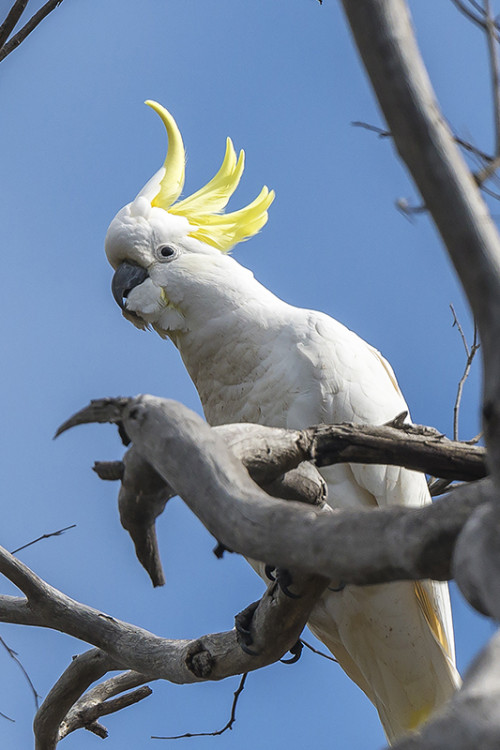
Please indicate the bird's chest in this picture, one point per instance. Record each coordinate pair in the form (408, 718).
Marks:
(242, 379)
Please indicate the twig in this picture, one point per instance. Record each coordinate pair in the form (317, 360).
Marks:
(76, 718)
(491, 193)
(4, 716)
(13, 655)
(372, 128)
(83, 670)
(471, 353)
(404, 206)
(11, 20)
(468, 146)
(485, 173)
(44, 536)
(21, 35)
(477, 20)
(492, 38)
(90, 714)
(218, 732)
(319, 653)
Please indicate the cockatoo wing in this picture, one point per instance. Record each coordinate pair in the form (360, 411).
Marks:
(395, 640)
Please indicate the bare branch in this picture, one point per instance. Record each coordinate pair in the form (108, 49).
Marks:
(11, 20)
(466, 145)
(109, 471)
(44, 536)
(268, 452)
(34, 21)
(372, 128)
(278, 622)
(492, 40)
(13, 655)
(471, 353)
(218, 732)
(97, 700)
(472, 149)
(425, 143)
(87, 716)
(318, 652)
(81, 673)
(276, 460)
(467, 12)
(291, 535)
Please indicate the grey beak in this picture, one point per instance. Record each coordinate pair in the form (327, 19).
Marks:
(127, 276)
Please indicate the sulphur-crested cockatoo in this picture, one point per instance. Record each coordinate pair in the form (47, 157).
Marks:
(254, 358)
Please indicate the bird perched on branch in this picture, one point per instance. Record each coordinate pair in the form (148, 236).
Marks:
(255, 358)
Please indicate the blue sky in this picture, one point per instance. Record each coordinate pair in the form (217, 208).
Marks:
(283, 80)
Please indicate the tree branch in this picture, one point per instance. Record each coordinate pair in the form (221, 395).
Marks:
(353, 546)
(276, 626)
(34, 21)
(384, 37)
(11, 20)
(96, 702)
(81, 673)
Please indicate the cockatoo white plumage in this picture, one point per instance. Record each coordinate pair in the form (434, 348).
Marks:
(254, 358)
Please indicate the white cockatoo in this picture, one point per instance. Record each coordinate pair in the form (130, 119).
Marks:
(255, 358)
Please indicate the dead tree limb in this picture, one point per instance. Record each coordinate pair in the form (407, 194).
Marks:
(312, 541)
(278, 461)
(277, 624)
(68, 707)
(384, 36)
(357, 547)
(9, 46)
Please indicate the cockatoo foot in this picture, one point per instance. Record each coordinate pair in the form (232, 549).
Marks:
(296, 651)
(340, 587)
(283, 578)
(269, 571)
(242, 624)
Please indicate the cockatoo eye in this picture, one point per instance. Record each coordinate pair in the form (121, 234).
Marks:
(167, 252)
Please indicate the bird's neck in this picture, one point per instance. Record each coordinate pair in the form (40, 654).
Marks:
(231, 328)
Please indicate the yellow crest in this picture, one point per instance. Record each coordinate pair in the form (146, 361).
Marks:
(204, 208)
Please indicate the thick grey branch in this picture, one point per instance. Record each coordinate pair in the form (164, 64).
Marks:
(356, 547)
(275, 459)
(368, 444)
(276, 626)
(384, 37)
(270, 456)
(68, 707)
(82, 672)
(142, 497)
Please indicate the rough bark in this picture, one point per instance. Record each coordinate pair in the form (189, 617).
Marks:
(359, 547)
(383, 34)
(385, 40)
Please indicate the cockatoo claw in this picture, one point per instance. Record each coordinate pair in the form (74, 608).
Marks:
(242, 624)
(269, 571)
(284, 580)
(296, 651)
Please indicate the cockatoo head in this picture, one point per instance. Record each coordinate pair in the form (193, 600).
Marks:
(167, 253)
